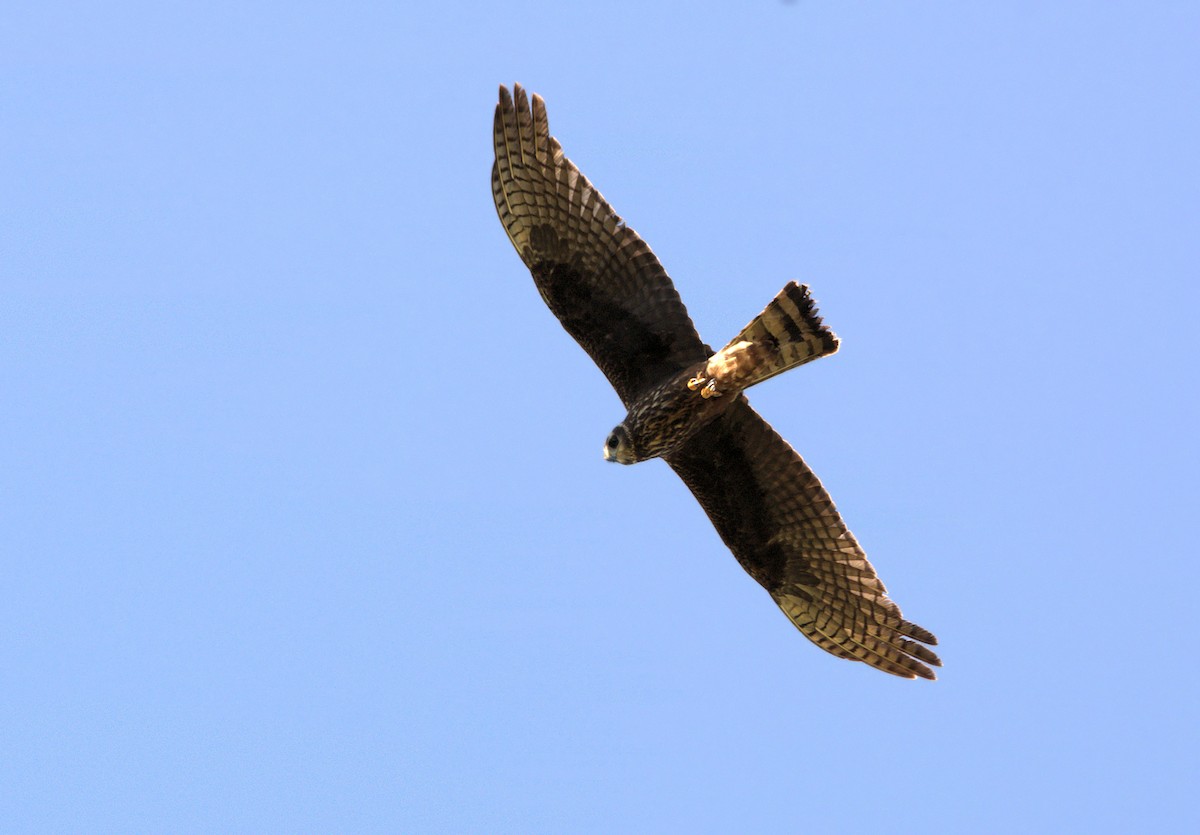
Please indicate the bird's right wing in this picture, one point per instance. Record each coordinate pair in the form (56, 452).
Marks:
(597, 276)
(782, 526)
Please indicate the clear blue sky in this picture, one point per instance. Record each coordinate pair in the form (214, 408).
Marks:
(303, 519)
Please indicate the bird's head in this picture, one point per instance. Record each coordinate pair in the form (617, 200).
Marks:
(619, 446)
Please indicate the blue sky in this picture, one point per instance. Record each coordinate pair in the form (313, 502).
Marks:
(303, 519)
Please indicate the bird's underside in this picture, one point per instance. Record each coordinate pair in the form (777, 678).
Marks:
(685, 402)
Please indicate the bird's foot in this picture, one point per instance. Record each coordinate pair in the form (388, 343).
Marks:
(706, 385)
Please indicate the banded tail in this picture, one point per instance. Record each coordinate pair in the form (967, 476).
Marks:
(788, 333)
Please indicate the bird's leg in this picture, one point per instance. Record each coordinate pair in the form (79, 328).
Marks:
(697, 381)
(710, 390)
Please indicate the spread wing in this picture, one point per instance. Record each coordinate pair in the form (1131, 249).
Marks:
(783, 528)
(597, 276)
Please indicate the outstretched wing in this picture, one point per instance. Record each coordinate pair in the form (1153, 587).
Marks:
(783, 528)
(597, 276)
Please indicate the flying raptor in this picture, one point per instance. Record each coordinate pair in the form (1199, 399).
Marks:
(685, 402)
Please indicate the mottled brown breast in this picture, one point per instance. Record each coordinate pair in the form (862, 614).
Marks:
(669, 414)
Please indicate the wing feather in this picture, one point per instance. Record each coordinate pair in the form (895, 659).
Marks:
(781, 524)
(598, 277)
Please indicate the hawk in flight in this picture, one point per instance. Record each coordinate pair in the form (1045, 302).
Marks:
(685, 402)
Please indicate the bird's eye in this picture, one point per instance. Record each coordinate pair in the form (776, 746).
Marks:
(613, 441)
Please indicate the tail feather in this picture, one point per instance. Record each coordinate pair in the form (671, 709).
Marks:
(788, 333)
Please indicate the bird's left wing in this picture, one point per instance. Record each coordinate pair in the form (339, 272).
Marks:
(784, 529)
(597, 276)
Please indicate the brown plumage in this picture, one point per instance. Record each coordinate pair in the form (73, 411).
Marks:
(685, 402)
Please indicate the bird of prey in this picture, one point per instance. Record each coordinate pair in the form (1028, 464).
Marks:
(685, 402)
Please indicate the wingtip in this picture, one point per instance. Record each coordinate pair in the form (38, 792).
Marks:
(919, 633)
(913, 668)
(519, 95)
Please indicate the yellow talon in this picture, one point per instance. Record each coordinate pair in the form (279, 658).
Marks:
(695, 383)
(710, 390)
